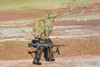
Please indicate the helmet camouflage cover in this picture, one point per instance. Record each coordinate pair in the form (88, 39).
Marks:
(52, 15)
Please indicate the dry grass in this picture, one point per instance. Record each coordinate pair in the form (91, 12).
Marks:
(34, 4)
(80, 3)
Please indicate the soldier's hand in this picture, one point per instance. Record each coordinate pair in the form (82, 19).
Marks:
(47, 40)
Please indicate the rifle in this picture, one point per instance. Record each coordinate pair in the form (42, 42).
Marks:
(38, 45)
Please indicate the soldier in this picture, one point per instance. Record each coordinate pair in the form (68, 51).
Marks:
(42, 29)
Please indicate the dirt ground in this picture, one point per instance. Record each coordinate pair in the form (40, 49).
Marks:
(82, 38)
(60, 33)
(13, 16)
(80, 61)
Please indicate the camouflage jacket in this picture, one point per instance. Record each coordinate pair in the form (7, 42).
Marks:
(42, 28)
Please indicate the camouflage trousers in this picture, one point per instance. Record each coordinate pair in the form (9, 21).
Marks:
(48, 55)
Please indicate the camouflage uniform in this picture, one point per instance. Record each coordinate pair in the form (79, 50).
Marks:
(42, 29)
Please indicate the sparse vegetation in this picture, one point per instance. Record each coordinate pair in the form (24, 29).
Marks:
(1, 38)
(88, 45)
(14, 50)
(18, 49)
(42, 4)
(74, 47)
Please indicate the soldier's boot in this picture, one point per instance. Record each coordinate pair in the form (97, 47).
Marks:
(37, 58)
(52, 59)
(36, 61)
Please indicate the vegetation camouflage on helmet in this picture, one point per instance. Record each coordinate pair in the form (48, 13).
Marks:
(52, 15)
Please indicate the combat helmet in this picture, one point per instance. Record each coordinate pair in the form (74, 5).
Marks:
(52, 15)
